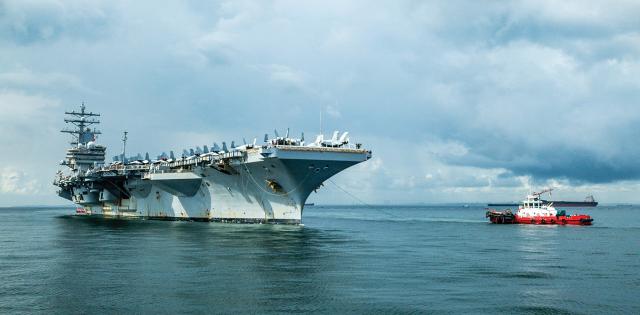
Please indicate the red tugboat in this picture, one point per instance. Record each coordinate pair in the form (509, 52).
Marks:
(535, 211)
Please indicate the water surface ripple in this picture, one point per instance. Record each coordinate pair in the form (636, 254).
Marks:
(347, 259)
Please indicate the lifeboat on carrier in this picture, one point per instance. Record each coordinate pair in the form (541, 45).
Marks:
(535, 211)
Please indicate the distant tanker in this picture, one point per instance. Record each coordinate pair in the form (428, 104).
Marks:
(589, 201)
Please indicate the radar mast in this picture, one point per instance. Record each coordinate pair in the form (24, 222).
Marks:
(82, 120)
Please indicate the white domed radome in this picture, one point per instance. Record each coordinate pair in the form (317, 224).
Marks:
(91, 144)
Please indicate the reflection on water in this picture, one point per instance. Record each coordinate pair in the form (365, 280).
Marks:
(220, 265)
(346, 259)
(537, 248)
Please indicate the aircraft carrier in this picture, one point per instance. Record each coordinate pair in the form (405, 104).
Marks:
(250, 183)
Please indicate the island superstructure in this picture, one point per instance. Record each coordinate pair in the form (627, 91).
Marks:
(251, 183)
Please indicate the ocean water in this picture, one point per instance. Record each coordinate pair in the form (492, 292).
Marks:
(347, 259)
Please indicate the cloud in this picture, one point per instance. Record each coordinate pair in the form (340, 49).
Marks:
(284, 76)
(539, 111)
(333, 111)
(23, 78)
(19, 109)
(452, 96)
(28, 22)
(14, 181)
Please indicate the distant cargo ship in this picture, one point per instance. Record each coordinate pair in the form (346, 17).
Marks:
(589, 201)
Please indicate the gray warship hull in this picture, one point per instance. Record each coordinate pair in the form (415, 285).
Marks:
(262, 185)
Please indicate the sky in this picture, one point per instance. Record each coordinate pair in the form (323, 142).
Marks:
(460, 101)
